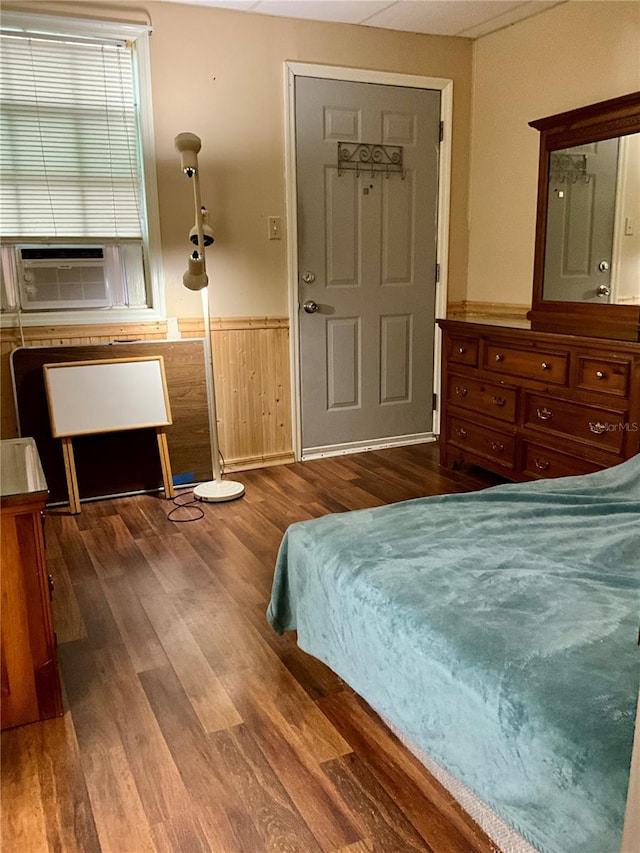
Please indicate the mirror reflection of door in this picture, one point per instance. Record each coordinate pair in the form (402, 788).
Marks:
(580, 222)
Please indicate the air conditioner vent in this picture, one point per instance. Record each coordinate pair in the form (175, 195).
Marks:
(61, 277)
(55, 253)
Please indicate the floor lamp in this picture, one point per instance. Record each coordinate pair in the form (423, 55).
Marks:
(188, 144)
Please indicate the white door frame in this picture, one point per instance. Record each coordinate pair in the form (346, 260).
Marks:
(359, 75)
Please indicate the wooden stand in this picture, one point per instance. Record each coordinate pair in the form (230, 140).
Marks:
(72, 479)
(110, 395)
(70, 472)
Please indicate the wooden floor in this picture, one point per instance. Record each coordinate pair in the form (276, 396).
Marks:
(190, 725)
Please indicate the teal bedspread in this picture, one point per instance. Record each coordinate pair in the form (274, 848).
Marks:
(498, 630)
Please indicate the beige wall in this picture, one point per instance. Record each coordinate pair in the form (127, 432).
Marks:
(219, 74)
(572, 55)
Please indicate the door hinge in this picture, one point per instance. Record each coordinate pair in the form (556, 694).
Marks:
(435, 402)
(441, 131)
(437, 273)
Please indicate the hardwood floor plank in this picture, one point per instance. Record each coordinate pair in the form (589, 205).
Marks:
(275, 817)
(176, 563)
(121, 746)
(100, 510)
(289, 709)
(136, 631)
(159, 785)
(156, 509)
(226, 637)
(256, 532)
(84, 690)
(390, 831)
(311, 674)
(316, 678)
(138, 522)
(239, 571)
(101, 626)
(209, 700)
(111, 547)
(24, 822)
(66, 610)
(72, 547)
(63, 790)
(118, 812)
(426, 803)
(316, 799)
(364, 846)
(181, 833)
(221, 812)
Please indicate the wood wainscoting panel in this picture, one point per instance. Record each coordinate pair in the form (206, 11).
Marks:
(253, 389)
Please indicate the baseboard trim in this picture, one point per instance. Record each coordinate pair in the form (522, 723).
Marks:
(363, 446)
(266, 461)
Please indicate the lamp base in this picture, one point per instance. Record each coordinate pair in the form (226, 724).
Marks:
(218, 490)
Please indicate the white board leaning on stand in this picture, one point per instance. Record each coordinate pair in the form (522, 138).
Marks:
(87, 397)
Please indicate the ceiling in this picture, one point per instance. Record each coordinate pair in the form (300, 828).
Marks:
(467, 18)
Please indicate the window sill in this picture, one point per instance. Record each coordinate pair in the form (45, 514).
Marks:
(100, 316)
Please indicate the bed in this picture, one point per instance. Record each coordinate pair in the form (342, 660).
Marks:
(497, 632)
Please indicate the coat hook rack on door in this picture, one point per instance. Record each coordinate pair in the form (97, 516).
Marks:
(370, 157)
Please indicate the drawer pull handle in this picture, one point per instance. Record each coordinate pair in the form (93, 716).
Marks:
(499, 401)
(545, 365)
(597, 427)
(542, 464)
(462, 350)
(461, 433)
(600, 374)
(461, 391)
(544, 414)
(497, 446)
(499, 356)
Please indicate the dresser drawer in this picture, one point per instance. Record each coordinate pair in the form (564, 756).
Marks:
(488, 398)
(531, 364)
(542, 462)
(606, 375)
(463, 350)
(594, 425)
(482, 441)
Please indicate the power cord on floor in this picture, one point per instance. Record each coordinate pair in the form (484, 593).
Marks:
(192, 503)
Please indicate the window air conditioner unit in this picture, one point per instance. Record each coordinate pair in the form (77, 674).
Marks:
(60, 277)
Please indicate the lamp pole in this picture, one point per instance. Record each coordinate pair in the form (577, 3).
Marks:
(219, 489)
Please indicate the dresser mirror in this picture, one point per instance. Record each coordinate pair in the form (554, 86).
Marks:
(587, 250)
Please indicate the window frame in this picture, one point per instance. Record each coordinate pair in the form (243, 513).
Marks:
(138, 35)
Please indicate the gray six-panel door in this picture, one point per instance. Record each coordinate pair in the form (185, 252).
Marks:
(367, 260)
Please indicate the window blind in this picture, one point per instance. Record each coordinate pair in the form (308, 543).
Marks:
(69, 159)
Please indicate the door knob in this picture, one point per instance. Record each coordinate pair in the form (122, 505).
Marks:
(603, 290)
(310, 306)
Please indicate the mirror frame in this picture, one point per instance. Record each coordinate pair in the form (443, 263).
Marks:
(604, 120)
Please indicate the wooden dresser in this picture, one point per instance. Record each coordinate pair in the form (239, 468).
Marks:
(534, 404)
(30, 683)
